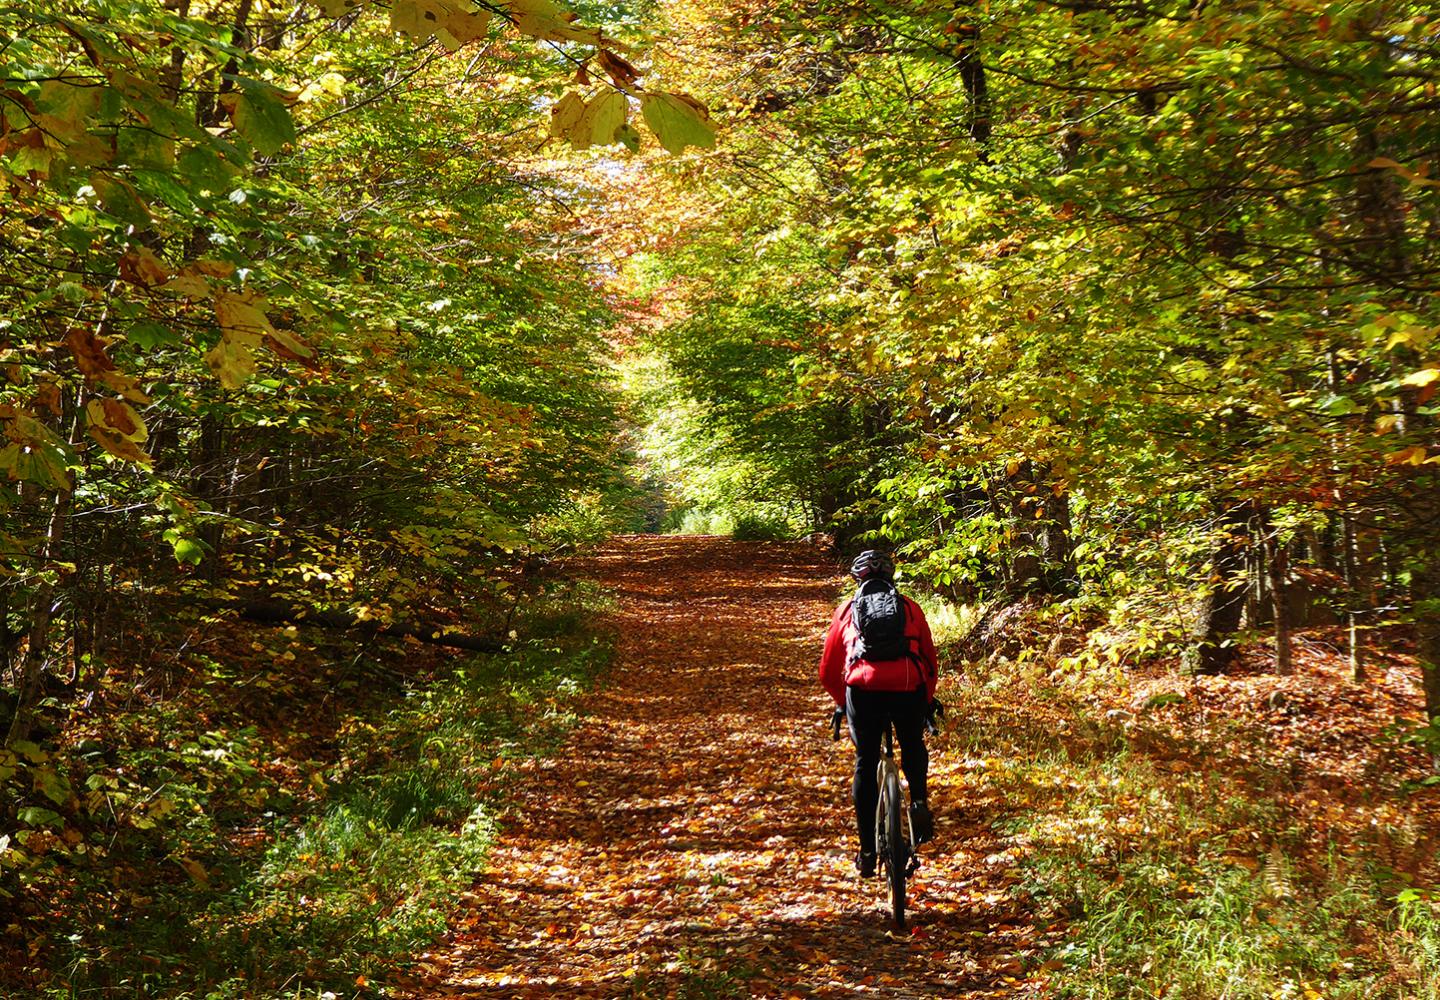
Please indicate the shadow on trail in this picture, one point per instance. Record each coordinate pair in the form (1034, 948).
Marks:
(698, 829)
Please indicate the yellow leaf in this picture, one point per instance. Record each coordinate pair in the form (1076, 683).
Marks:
(242, 314)
(565, 115)
(460, 29)
(602, 117)
(117, 428)
(232, 361)
(140, 266)
(545, 20)
(286, 344)
(195, 870)
(1407, 456)
(126, 385)
(188, 284)
(117, 445)
(678, 121)
(117, 416)
(329, 83)
(1413, 334)
(337, 8)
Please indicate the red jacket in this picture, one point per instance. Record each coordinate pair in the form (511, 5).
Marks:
(836, 672)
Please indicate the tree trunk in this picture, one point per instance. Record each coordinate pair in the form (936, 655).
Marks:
(972, 78)
(1218, 615)
(1040, 551)
(1058, 548)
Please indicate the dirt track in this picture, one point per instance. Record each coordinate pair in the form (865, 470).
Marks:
(695, 840)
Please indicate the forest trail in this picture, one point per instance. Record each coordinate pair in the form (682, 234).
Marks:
(693, 838)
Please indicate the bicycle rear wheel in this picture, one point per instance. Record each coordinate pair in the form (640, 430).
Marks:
(890, 845)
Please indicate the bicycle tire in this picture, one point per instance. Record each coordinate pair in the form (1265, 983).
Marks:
(890, 844)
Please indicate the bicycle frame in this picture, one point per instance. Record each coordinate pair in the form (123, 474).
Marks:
(884, 770)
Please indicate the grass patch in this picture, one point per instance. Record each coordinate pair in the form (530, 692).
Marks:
(330, 888)
(1173, 874)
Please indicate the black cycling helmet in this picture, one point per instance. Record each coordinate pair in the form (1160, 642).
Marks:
(872, 562)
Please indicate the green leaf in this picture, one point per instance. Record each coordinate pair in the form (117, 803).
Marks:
(261, 117)
(38, 816)
(206, 169)
(678, 121)
(147, 334)
(30, 751)
(188, 550)
(54, 786)
(72, 100)
(120, 199)
(1339, 406)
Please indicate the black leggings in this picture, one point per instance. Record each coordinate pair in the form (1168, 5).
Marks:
(868, 712)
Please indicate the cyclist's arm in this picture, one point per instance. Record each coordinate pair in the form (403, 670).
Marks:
(832, 660)
(927, 654)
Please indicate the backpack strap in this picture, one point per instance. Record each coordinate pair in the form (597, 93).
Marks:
(852, 653)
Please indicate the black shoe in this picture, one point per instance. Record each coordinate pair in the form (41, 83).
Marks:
(865, 862)
(922, 826)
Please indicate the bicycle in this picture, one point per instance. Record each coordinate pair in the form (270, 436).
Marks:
(894, 839)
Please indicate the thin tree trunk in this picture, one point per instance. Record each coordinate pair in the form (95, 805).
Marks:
(42, 612)
(1425, 588)
(1352, 597)
(1279, 603)
(972, 78)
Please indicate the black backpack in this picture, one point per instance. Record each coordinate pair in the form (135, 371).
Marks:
(878, 612)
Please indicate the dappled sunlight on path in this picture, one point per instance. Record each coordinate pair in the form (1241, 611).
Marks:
(694, 838)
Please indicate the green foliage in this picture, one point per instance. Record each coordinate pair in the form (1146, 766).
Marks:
(1048, 290)
(756, 527)
(285, 307)
(361, 850)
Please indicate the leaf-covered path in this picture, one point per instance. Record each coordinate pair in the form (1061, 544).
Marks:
(695, 834)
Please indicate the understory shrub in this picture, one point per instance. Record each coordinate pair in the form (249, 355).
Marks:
(349, 866)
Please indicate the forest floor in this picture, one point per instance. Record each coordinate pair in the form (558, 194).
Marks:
(642, 800)
(696, 839)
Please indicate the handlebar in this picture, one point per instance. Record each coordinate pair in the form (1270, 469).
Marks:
(934, 718)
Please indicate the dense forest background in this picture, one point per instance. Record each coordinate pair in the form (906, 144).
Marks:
(326, 327)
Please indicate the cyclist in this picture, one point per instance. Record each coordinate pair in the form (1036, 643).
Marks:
(873, 692)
